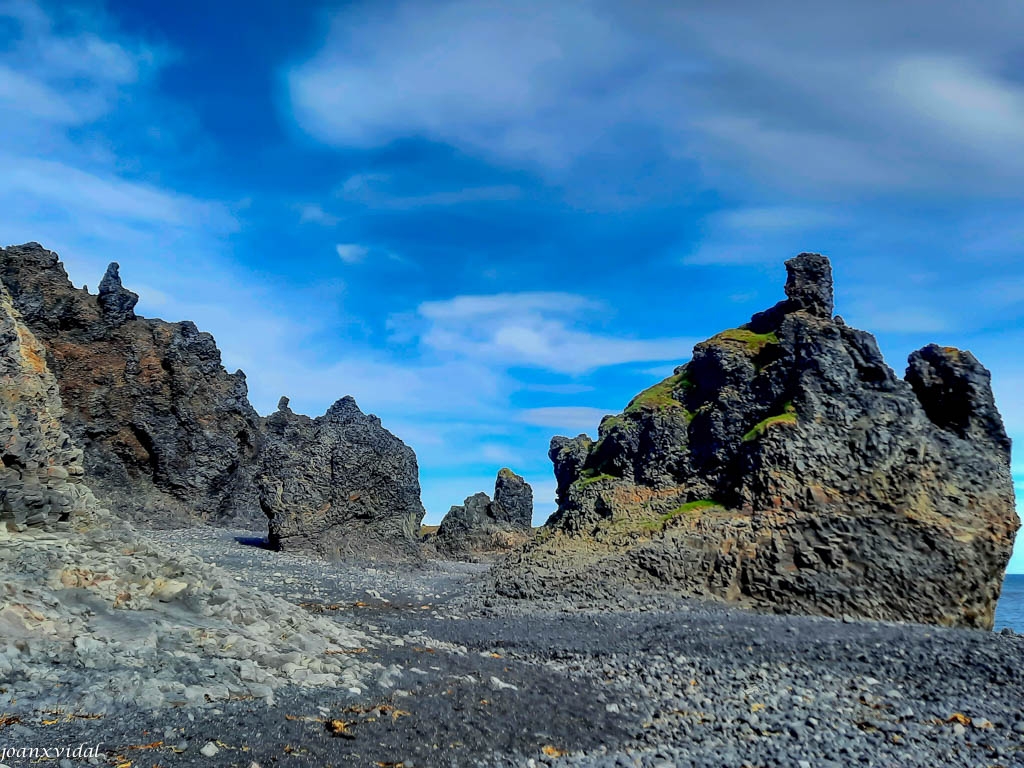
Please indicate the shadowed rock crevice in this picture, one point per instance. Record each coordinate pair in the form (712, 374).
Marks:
(787, 467)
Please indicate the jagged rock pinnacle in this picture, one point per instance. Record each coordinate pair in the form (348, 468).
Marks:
(809, 285)
(116, 301)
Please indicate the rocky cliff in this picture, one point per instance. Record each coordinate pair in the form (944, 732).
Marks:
(40, 480)
(339, 485)
(481, 526)
(787, 467)
(168, 434)
(92, 614)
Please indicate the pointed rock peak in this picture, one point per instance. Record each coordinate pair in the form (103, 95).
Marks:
(343, 409)
(116, 301)
(111, 282)
(809, 285)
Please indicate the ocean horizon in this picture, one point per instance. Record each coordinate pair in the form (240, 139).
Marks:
(1010, 608)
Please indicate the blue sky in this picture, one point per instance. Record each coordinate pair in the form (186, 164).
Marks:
(493, 222)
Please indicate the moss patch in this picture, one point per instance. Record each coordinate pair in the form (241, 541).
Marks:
(588, 476)
(660, 396)
(690, 508)
(754, 342)
(788, 416)
(650, 525)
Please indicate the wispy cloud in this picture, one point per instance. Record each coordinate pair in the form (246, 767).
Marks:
(574, 419)
(311, 213)
(351, 253)
(827, 102)
(753, 234)
(31, 182)
(65, 76)
(388, 192)
(540, 330)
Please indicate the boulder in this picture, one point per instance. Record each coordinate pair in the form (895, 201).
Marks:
(339, 485)
(168, 435)
(786, 467)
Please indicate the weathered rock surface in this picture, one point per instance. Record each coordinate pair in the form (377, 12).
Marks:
(90, 613)
(168, 435)
(513, 500)
(787, 467)
(481, 526)
(339, 485)
(40, 478)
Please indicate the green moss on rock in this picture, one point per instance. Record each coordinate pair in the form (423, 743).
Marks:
(690, 508)
(660, 396)
(753, 342)
(788, 416)
(588, 476)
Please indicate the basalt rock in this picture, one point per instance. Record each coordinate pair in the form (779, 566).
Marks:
(41, 475)
(481, 526)
(168, 435)
(787, 467)
(339, 485)
(513, 500)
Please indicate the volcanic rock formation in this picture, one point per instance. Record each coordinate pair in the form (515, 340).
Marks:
(482, 526)
(167, 433)
(40, 480)
(787, 467)
(513, 500)
(339, 485)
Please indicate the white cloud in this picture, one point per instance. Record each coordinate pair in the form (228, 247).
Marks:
(28, 181)
(67, 77)
(574, 419)
(315, 214)
(559, 389)
(775, 217)
(537, 330)
(970, 107)
(33, 99)
(380, 191)
(351, 253)
(504, 304)
(824, 101)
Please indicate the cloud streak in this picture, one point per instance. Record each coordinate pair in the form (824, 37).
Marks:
(537, 330)
(778, 95)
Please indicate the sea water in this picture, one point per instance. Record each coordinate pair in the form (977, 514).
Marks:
(1010, 608)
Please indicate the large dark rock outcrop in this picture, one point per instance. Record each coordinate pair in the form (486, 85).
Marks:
(339, 485)
(787, 467)
(41, 474)
(481, 526)
(168, 434)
